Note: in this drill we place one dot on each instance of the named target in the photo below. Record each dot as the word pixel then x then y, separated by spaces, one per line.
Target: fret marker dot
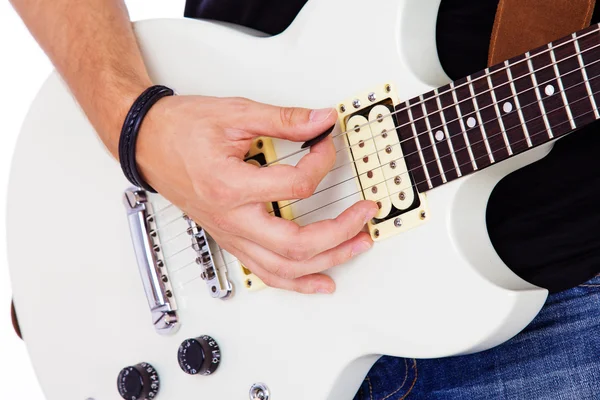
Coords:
pixel 471 122
pixel 507 107
pixel 439 135
pixel 549 90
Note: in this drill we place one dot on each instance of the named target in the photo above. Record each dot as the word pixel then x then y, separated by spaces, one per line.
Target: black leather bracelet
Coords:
pixel 130 130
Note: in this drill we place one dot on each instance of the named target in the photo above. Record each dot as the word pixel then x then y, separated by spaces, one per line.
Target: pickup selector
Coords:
pixel 139 382
pixel 199 356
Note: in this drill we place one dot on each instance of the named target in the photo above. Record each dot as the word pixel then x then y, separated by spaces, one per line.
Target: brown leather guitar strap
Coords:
pixel 523 25
pixel 15 322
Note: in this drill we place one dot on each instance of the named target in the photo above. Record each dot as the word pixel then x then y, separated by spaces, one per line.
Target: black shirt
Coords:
pixel 544 220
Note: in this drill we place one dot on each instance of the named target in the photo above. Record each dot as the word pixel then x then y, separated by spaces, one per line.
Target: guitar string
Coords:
pixel 439 175
pixel 175 270
pixel 447 138
pixel 169 240
pixel 436 159
pixel 454 105
pixel 180 268
pixel 570 120
pixel 433 144
pixel 181 285
pixel 467 99
pixel 487 75
pixel 326 205
pixel 172 221
pixel 160 211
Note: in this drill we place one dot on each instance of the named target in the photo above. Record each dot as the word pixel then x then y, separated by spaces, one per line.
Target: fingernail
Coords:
pixel 320 115
pixel 360 248
pixel 325 290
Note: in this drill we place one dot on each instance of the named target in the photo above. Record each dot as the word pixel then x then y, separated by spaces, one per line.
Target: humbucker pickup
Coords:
pixel 381 171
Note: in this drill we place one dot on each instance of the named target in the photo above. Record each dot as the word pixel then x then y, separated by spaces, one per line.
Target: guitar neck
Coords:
pixel 502 111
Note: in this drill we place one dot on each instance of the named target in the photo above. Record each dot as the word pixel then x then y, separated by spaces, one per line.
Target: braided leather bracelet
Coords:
pixel 130 130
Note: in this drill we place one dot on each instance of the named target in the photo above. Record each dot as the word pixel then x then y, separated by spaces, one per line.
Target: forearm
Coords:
pixel 92 45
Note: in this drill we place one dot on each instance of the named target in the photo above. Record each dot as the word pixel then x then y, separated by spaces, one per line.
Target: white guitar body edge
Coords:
pixel 437 290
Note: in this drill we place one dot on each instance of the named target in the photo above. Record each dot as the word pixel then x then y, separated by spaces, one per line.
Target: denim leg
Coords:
pixel 556 357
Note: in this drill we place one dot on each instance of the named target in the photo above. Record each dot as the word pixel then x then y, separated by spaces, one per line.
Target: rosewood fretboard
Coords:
pixel 502 111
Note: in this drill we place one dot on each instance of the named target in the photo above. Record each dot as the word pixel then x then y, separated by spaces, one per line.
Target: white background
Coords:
pixel 23 68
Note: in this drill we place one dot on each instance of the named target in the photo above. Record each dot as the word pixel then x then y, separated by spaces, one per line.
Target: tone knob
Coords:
pixel 139 382
pixel 199 356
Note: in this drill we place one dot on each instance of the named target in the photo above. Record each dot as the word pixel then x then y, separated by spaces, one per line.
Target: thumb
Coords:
pixel 291 123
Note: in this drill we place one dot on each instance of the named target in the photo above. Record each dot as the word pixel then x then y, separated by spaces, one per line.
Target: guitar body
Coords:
pixel 433 291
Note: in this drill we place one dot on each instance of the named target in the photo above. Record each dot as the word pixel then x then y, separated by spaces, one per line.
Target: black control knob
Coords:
pixel 199 356
pixel 139 382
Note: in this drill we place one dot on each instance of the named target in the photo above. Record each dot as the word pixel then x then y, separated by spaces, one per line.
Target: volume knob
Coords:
pixel 139 382
pixel 199 356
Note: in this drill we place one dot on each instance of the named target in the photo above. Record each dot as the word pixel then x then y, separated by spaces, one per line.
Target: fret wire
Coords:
pixel 462 127
pixel 597 30
pixel 517 103
pixel 420 151
pixel 535 134
pixel 499 114
pixel 480 121
pixel 396 111
pixel 585 76
pixel 544 114
pixel 539 96
pixel 560 85
pixel 420 166
pixel 413 185
pixel 433 142
pixel 539 132
pixel 447 133
pixel 515 97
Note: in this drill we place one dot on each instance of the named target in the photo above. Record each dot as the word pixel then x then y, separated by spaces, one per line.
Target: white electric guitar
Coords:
pixel 119 294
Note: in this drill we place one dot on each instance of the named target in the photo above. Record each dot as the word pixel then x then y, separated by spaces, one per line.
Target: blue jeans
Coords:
pixel 556 357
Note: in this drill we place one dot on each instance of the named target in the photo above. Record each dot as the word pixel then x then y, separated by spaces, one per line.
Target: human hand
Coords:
pixel 191 150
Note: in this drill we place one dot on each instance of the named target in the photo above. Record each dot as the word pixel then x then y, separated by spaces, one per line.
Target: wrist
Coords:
pixel 110 110
pixel 128 140
pixel 153 141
